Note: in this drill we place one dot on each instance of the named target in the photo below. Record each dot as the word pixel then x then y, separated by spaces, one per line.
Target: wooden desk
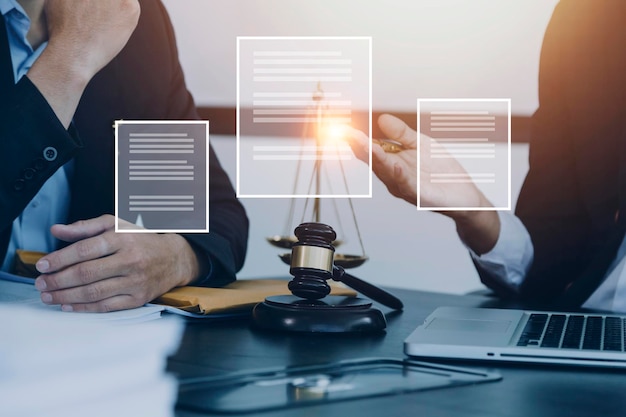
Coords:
pixel 216 348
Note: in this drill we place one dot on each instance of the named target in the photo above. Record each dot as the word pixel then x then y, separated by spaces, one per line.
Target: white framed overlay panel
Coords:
pixel 162 176
pixel 476 133
pixel 310 85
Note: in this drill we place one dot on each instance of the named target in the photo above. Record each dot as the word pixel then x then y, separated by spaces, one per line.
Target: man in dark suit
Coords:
pixel 96 62
pixel 568 229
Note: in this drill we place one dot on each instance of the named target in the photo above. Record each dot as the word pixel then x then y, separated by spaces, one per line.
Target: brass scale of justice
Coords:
pixel 313 262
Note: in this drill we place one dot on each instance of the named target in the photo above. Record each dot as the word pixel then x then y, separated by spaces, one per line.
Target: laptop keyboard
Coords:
pixel 572 331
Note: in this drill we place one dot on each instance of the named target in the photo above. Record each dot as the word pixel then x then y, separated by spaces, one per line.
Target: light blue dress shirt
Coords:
pixel 31 230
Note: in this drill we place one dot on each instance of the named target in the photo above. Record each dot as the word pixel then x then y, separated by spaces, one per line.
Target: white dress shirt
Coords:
pixel 511 258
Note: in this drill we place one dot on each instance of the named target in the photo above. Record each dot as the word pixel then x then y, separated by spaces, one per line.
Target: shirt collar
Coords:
pixel 15 17
pixel 7 5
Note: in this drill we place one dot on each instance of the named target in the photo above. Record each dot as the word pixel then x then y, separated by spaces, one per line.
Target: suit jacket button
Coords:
pixel 50 154
pixel 39 164
pixel 19 185
pixel 29 173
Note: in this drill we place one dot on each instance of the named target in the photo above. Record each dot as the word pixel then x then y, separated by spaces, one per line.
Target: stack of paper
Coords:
pixel 57 365
pixel 20 291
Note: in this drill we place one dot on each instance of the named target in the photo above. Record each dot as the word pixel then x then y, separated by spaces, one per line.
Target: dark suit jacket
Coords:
pixel 571 195
pixel 144 81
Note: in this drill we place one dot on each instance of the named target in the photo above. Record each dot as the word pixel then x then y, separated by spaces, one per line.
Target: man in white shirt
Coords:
pixel 564 245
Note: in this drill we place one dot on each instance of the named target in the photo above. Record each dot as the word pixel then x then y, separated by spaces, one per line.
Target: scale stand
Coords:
pixel 286 240
pixel 310 308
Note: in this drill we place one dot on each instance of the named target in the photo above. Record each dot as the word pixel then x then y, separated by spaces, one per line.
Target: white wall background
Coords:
pixel 421 48
pixel 407 248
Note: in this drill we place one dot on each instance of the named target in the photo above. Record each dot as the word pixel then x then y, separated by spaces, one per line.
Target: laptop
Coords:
pixel 521 336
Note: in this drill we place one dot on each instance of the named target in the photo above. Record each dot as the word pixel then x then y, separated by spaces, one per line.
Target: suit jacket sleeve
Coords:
pixel 569 198
pixel 33 142
pixel 33 145
pixel 225 244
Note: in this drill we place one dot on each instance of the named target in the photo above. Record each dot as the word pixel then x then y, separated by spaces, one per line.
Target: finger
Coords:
pixel 360 144
pixel 397 130
pixel 82 273
pixel 115 303
pixel 83 229
pixel 90 293
pixel 383 163
pixel 77 253
pixel 97 292
pixel 399 184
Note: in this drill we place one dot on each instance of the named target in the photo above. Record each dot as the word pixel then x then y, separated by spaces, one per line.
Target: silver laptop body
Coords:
pixel 521 336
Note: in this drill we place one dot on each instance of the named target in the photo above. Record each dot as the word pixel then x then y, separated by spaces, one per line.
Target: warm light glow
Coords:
pixel 334 133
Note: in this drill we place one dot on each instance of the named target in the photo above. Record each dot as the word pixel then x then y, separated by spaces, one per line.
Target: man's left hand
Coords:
pixel 102 270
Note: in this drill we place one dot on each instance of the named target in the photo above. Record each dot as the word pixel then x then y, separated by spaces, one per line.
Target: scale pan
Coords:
pixel 349 261
pixel 340 259
pixel 285 242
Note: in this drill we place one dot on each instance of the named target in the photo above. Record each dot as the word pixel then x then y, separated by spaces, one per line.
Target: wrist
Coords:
pixel 61 82
pixel 191 262
pixel 479 229
pixel 68 64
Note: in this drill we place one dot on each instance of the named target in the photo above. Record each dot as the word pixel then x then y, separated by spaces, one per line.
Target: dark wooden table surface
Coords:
pixel 217 348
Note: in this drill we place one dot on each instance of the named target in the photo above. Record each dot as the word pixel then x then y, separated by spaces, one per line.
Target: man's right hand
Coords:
pixel 83 36
pixel 90 33
pixel 398 171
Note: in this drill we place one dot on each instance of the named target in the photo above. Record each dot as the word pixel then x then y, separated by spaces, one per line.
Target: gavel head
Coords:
pixel 312 261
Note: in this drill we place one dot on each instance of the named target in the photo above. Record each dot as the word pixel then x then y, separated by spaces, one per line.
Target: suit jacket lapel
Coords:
pixel 6 67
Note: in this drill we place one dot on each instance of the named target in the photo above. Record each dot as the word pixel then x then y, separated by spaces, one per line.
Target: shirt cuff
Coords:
pixel 511 257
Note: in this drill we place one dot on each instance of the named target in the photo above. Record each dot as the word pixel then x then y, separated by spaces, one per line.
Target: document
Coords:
pixel 301 90
pixel 16 289
pixel 162 176
pixel 53 366
pixel 25 295
pixel 21 292
pixel 477 134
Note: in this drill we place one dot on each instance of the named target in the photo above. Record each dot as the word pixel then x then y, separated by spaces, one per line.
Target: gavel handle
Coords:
pixel 369 290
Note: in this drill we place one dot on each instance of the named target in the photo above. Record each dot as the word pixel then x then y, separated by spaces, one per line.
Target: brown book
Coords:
pixel 238 296
pixel 24 263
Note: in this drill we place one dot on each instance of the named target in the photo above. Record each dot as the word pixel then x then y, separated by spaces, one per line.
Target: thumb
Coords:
pixel 360 143
pixel 397 130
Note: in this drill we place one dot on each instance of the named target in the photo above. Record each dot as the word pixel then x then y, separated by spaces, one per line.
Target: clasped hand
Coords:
pixel 102 270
